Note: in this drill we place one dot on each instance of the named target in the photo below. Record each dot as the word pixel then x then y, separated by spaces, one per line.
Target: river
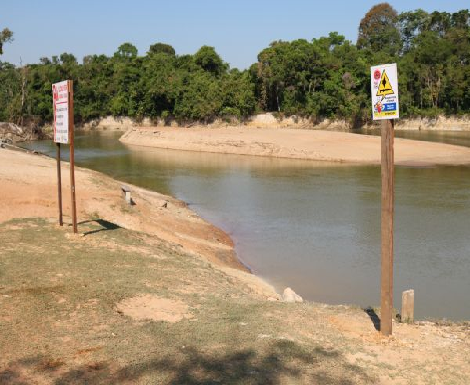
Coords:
pixel 316 226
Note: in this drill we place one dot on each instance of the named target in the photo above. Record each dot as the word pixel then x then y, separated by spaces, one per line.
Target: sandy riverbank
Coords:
pixel 296 144
pixel 29 190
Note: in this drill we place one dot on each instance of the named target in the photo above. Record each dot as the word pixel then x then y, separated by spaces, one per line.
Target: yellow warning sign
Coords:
pixel 385 88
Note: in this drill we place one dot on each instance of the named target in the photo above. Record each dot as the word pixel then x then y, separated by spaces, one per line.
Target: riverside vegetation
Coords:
pixel 327 77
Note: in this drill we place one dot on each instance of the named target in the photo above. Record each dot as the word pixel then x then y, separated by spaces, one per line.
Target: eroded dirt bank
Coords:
pixel 29 190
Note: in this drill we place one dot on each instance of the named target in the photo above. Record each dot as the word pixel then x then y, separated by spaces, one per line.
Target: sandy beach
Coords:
pixel 296 144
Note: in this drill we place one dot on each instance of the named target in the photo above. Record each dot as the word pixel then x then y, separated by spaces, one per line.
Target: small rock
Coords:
pixel 289 295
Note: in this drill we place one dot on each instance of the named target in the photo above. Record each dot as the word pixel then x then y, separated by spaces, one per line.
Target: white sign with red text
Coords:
pixel 60 96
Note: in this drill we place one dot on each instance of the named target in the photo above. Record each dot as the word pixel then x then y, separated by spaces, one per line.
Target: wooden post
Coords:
pixel 59 185
pixel 388 184
pixel 72 157
pixel 408 306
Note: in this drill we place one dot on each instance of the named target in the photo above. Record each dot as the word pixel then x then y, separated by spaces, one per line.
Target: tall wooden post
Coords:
pixel 388 185
pixel 59 185
pixel 72 157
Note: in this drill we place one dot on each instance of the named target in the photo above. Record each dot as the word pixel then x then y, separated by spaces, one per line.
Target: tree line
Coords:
pixel 325 77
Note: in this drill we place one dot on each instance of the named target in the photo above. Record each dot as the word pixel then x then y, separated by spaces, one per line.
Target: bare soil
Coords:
pixel 154 308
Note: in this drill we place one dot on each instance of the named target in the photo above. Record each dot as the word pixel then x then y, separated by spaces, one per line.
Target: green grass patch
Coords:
pixel 59 321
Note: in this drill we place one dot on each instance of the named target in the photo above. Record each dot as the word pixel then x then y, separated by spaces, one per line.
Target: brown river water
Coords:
pixel 316 226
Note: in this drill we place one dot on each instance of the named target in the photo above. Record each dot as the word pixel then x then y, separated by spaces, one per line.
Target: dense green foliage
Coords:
pixel 324 77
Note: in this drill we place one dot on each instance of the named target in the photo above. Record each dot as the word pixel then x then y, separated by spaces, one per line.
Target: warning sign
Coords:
pixel 384 87
pixel 60 100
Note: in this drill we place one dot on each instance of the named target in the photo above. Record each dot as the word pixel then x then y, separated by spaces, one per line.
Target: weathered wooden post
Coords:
pixel 388 184
pixel 384 88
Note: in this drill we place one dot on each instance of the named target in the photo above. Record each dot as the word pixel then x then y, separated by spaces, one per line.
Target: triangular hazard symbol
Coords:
pixel 385 88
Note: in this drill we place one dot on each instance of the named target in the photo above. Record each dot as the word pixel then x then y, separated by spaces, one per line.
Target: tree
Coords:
pixel 68 58
pixel 162 48
pixel 161 82
pixel 200 97
pixel 209 60
pixel 6 36
pixel 325 77
pixel 238 94
pixel 411 25
pixel 126 51
pixel 126 100
pixel 378 30
pixel 93 91
pixel 10 91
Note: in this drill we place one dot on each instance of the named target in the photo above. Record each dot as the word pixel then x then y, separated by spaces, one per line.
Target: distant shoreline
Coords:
pixel 270 120
pixel 267 120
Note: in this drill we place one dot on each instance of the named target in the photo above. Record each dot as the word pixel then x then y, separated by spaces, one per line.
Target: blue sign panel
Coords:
pixel 390 107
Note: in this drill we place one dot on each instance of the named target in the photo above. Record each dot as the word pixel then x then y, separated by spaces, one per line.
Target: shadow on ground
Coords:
pixel 285 361
pixel 105 226
pixel 373 317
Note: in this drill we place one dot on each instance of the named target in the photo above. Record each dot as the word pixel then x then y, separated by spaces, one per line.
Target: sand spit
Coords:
pixel 296 144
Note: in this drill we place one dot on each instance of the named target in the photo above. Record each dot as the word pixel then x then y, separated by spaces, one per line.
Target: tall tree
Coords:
pixel 378 30
pixel 5 36
pixel 411 25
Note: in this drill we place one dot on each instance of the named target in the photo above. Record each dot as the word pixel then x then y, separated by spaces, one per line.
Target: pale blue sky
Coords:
pixel 238 30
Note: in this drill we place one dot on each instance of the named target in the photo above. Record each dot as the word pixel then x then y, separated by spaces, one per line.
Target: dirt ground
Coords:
pixel 297 144
pixel 130 301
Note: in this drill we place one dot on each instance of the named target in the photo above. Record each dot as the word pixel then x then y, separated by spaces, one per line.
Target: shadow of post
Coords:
pixel 373 317
pixel 105 226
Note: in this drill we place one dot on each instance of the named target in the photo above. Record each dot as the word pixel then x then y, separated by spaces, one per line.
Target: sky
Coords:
pixel 238 30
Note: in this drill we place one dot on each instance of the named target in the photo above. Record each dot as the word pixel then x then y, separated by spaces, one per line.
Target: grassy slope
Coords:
pixel 59 324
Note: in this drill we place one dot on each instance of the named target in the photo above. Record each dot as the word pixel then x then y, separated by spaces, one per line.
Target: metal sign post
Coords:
pixel 385 107
pixel 62 94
